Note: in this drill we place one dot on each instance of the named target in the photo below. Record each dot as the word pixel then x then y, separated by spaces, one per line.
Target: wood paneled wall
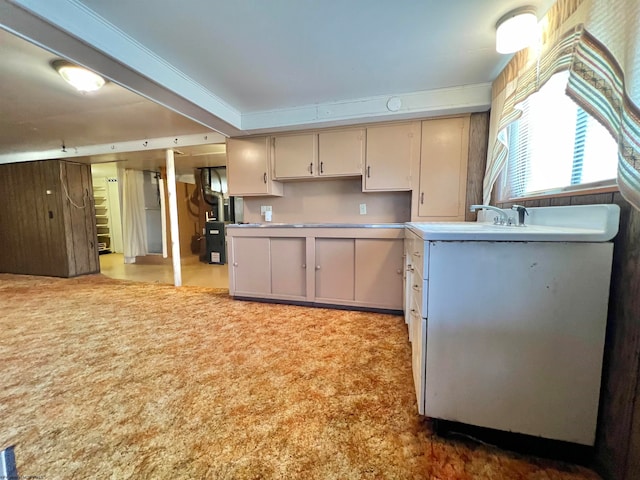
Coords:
pixel 41 232
pixel 79 219
pixel 478 145
pixel 617 453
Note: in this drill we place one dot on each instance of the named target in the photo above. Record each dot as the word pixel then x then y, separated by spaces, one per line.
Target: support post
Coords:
pixel 163 217
pixel 173 218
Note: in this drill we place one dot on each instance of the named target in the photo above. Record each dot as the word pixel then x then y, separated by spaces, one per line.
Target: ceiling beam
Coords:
pixel 72 31
pixel 430 103
pixel 115 148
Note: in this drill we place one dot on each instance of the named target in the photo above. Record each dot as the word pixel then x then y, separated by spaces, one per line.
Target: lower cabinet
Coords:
pixel 378 272
pixel 266 267
pixel 335 272
pixel 251 265
pixel 358 272
pixel 288 267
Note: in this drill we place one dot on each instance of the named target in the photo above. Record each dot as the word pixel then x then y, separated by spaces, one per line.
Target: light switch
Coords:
pixel 363 209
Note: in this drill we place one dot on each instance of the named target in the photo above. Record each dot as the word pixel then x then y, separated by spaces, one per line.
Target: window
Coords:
pixel 555 145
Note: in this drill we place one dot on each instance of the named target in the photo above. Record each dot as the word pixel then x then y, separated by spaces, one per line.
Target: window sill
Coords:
pixel 563 193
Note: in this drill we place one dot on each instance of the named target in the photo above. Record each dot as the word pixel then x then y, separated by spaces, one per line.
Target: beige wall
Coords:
pixel 329 201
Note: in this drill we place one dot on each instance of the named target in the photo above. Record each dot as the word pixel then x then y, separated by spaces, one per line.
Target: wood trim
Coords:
pixel 572 193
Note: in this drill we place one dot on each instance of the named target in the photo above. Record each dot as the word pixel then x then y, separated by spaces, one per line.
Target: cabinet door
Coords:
pixel 250 272
pixel 443 168
pixel 392 150
pixel 288 267
pixel 378 278
pixel 341 152
pixel 248 167
pixel 296 156
pixel 335 270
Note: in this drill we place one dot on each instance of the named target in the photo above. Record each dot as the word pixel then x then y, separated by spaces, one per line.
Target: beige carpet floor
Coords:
pixel 106 378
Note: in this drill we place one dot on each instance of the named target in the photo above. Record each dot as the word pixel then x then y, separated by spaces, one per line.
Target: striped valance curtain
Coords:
pixel 605 81
pixel 528 70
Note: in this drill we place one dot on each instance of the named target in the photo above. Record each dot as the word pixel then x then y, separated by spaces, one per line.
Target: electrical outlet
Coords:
pixel 363 209
pixel 265 208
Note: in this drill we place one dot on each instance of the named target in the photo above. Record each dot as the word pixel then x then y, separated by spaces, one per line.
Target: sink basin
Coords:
pixel 581 223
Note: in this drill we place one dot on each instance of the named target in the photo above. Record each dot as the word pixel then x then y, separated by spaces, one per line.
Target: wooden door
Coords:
pixel 296 156
pixel 392 150
pixel 341 152
pixel 335 270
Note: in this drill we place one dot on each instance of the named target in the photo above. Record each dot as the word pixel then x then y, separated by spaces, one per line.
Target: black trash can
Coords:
pixel 215 243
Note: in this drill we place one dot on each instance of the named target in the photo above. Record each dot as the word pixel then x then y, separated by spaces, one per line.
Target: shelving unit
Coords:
pixel 102 219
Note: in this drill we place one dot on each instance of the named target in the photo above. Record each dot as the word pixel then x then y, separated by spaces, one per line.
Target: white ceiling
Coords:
pixel 238 67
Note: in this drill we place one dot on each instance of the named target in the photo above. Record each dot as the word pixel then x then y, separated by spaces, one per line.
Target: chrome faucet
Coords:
pixel 521 213
pixel 501 219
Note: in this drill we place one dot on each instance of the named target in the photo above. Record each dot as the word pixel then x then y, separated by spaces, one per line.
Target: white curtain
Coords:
pixel 525 74
pixel 605 81
pixel 498 144
pixel 134 221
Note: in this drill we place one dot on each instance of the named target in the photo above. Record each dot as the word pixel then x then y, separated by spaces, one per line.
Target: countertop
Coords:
pixel 316 225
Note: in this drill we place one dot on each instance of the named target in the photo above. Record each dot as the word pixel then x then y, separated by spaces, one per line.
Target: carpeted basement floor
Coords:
pixel 106 378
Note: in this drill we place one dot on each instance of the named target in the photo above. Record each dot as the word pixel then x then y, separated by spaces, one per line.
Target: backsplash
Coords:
pixel 330 201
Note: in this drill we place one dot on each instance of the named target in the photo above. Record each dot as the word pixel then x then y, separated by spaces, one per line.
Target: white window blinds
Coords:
pixel 556 145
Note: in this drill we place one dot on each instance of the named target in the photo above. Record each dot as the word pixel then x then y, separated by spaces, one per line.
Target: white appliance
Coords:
pixel 508 323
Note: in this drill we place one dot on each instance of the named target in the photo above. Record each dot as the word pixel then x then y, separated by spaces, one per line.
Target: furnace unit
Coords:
pixel 215 243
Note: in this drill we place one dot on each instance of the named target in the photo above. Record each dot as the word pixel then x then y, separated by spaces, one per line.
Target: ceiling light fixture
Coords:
pixel 80 78
pixel 516 30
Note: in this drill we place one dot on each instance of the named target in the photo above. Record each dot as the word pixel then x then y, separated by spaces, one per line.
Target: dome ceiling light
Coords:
pixel 80 78
pixel 516 30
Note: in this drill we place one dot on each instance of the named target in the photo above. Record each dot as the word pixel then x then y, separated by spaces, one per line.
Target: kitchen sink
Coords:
pixel 581 223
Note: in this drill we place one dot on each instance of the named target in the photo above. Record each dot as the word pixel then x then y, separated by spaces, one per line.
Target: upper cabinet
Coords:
pixel 334 153
pixel 249 167
pixel 341 152
pixel 295 156
pixel 441 195
pixel 392 151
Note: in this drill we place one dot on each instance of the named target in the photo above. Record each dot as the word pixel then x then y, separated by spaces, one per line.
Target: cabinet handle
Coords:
pixel 235 264
pixel 264 177
pixel 369 171
pixel 416 288
pixel 317 267
pixel 304 265
pixel 422 198
pixel 321 167
pixel 399 271
pixel 311 168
